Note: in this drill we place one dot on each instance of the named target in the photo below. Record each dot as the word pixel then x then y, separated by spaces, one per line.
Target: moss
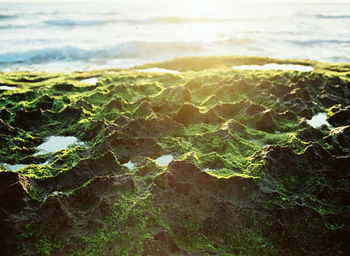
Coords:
pixel 220 132
pixel 61 162
pixel 116 237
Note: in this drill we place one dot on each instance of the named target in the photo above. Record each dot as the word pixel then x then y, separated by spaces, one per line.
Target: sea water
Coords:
pixel 72 35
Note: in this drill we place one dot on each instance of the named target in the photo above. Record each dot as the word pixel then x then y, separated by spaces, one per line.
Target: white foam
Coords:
pixel 275 66
pixel 164 160
pixel 318 120
pixel 157 70
pixel 56 143
pixel 4 87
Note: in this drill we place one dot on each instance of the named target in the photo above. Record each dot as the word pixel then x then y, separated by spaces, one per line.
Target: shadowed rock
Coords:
pixel 340 118
pixel 85 169
pixel 190 114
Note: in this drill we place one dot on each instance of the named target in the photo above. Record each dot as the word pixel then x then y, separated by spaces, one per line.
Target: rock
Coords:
pixel 310 134
pixel 64 87
pixel 154 127
pixel 229 110
pixel 254 109
pixel 12 192
pixel 340 118
pixel 186 179
pixel 342 136
pixel 288 114
pixel 162 244
pixel 280 90
pixel 144 109
pixel 234 126
pixel 70 113
pixel 193 84
pixel 188 114
pixel 328 100
pixel 175 94
pixel 265 122
pixel 6 129
pixel 27 119
pixel 117 103
pixel 45 102
pixel 5 114
pixel 125 147
pixel 85 169
pixel 83 209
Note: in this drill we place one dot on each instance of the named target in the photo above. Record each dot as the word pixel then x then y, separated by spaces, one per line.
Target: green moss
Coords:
pixel 62 162
pixel 131 219
pixel 59 104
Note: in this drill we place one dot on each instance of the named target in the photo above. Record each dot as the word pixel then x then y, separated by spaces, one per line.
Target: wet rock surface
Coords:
pixel 245 174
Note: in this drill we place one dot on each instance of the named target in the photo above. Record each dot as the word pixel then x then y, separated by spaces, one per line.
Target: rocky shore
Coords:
pixel 252 169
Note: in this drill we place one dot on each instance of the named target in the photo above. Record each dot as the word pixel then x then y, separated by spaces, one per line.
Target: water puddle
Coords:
pixel 51 144
pixel 92 80
pixel 275 66
pixel 164 160
pixel 56 193
pixel 56 143
pixel 5 87
pixel 13 167
pixel 208 170
pixel 157 70
pixel 318 120
pixel 130 165
pixel 45 163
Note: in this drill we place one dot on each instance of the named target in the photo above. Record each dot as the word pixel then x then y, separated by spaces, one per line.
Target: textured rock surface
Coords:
pixel 249 176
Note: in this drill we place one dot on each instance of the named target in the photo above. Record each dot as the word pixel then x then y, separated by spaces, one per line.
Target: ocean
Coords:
pixel 71 36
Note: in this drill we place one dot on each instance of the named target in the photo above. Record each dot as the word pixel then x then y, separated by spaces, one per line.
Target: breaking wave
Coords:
pixel 329 16
pixel 68 22
pixel 132 49
pixel 319 42
pixel 7 16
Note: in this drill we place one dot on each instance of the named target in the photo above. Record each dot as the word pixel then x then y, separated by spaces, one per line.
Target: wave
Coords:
pixel 69 23
pixel 69 53
pixel 10 26
pixel 178 20
pixel 7 16
pixel 86 23
pixel 163 20
pixel 131 49
pixel 329 16
pixel 318 42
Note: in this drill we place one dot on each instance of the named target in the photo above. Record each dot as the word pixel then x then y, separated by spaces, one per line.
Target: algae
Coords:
pixel 245 174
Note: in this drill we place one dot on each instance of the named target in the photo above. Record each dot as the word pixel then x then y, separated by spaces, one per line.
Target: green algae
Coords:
pixel 231 117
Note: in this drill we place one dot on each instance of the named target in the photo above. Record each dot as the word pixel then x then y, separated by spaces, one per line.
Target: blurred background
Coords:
pixel 83 35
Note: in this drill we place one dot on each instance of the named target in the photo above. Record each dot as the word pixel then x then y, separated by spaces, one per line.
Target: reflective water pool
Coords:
pixel 5 87
pixel 92 80
pixel 318 120
pixel 130 165
pixel 56 143
pixel 164 160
